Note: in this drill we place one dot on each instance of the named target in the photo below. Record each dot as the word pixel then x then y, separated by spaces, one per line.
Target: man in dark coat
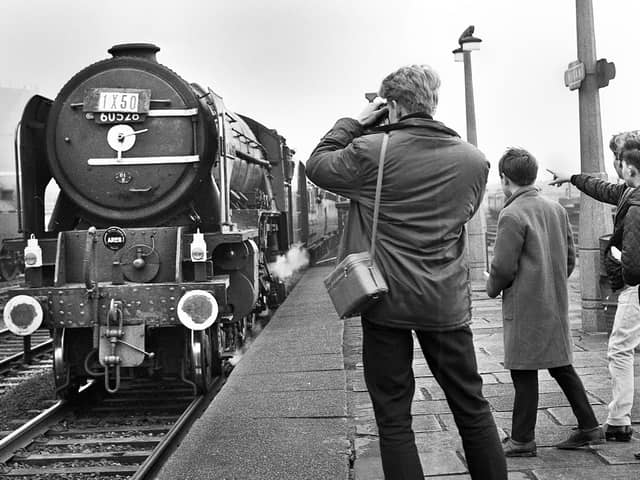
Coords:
pixel 532 258
pixel 433 183
pixel 625 331
pixel 630 255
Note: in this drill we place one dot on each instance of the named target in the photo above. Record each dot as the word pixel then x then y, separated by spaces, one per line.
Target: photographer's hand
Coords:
pixel 373 113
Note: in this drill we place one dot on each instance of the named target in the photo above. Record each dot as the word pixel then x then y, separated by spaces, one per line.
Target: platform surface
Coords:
pixel 296 406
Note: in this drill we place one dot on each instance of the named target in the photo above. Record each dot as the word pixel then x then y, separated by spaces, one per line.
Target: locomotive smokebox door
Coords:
pixel 128 142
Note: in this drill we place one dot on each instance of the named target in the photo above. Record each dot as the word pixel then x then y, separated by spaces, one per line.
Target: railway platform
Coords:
pixel 296 406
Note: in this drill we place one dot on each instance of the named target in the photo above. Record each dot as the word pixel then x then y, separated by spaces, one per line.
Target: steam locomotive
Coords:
pixel 155 261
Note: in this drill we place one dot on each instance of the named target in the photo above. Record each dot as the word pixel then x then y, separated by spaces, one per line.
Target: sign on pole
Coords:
pixel 605 71
pixel 574 75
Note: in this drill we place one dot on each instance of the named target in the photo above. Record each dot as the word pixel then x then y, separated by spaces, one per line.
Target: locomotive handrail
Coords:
pixel 89 260
pixel 16 148
pixel 173 159
pixel 178 112
pixel 251 159
pixel 220 113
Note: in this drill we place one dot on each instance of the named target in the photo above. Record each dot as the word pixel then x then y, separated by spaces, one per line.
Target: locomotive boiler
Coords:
pixel 155 259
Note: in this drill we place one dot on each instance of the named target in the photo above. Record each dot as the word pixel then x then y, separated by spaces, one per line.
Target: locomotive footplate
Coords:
pixel 150 304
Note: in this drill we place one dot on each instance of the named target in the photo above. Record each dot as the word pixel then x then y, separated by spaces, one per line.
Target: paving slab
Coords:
pixel 564 415
pixel 290 404
pixel 325 342
pixel 263 449
pixel 290 381
pixel 549 457
pixel 612 472
pixel 287 363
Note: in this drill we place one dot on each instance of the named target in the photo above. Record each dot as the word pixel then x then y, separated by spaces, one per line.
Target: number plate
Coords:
pixel 117 100
pixel 117 117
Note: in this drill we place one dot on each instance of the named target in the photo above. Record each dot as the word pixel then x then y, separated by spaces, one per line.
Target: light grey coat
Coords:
pixel 533 257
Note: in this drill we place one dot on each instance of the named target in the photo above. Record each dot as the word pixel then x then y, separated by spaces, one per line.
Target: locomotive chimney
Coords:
pixel 144 50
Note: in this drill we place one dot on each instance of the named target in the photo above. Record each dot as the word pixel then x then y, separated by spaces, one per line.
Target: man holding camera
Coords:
pixel 433 183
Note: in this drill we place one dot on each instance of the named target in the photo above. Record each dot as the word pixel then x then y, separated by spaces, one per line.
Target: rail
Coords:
pixel 28 350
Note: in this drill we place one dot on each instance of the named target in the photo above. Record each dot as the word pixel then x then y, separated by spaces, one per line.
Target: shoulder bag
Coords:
pixel 356 283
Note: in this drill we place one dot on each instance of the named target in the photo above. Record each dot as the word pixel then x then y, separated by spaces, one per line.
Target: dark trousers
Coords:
pixel 387 355
pixel 525 404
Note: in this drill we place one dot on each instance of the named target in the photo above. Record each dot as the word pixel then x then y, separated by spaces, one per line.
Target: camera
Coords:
pixel 380 113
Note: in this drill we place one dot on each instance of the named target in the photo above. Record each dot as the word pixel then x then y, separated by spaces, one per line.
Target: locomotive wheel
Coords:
pixel 66 387
pixel 9 267
pixel 204 360
pixel 250 322
pixel 245 330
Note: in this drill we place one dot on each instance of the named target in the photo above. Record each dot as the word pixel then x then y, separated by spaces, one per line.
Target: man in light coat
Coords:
pixel 533 257
pixel 433 183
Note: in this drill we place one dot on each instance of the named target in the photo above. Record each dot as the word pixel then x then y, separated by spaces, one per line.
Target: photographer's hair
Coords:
pixel 519 166
pixel 630 152
pixel 414 87
pixel 617 141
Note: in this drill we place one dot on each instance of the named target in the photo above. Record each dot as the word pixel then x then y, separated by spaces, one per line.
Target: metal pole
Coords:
pixel 476 227
pixel 27 355
pixel 472 136
pixel 595 217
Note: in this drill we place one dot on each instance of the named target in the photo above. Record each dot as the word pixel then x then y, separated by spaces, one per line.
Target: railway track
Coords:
pixel 104 436
pixel 12 346
pixel 6 285
pixel 13 368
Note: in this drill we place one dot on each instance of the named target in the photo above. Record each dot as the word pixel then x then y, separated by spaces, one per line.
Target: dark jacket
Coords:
pixel 631 240
pixel 532 258
pixel 617 194
pixel 433 183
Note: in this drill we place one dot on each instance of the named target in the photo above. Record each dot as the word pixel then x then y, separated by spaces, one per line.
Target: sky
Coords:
pixel 298 65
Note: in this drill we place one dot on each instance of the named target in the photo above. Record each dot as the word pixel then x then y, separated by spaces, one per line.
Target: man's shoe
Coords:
pixel 513 448
pixel 618 433
pixel 582 438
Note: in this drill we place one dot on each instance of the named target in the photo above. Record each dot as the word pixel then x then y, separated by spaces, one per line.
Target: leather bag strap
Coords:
pixel 376 206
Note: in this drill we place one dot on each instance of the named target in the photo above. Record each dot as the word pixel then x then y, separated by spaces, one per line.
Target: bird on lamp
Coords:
pixel 467 35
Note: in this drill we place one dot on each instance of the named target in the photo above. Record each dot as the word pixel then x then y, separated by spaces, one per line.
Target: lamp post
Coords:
pixel 476 227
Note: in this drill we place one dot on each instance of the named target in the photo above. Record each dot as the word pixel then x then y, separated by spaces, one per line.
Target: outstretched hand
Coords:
pixel 559 178
pixel 373 113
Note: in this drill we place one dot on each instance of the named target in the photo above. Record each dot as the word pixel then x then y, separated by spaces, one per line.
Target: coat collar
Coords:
pixel 417 115
pixel 419 121
pixel 529 191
